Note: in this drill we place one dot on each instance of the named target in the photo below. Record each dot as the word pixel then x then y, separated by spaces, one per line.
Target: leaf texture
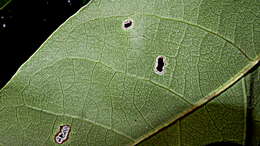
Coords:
pixel 99 78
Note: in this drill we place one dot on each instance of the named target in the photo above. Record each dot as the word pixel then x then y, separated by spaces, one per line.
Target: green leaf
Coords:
pixel 99 78
pixel 4 3
pixel 253 79
pixel 222 119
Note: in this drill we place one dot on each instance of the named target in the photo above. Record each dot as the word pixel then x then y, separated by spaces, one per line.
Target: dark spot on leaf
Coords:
pixel 127 24
pixel 159 65
pixel 61 135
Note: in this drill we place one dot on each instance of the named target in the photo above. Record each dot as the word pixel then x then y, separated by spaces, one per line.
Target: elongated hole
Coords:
pixel 160 65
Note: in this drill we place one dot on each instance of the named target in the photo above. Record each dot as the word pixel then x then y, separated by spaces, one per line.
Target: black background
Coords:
pixel 25 25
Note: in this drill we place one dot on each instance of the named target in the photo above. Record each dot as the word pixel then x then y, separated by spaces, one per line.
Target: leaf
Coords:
pixel 4 3
pixel 222 119
pixel 254 80
pixel 98 78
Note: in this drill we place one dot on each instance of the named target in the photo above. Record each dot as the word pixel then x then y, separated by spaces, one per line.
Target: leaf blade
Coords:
pixel 93 69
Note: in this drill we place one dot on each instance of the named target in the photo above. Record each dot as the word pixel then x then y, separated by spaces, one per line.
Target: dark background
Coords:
pixel 25 25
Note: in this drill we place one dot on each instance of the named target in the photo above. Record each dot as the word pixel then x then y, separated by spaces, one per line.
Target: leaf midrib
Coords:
pixel 204 100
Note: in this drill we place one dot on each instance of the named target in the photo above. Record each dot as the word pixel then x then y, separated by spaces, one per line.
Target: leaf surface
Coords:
pixel 98 77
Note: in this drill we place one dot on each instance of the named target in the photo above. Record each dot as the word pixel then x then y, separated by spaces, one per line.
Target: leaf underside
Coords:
pixel 99 78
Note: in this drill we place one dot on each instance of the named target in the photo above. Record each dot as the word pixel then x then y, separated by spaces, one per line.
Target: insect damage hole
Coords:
pixel 128 24
pixel 63 134
pixel 160 64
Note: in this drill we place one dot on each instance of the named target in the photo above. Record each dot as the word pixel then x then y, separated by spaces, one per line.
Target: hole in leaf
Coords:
pixel 63 134
pixel 127 24
pixel 160 65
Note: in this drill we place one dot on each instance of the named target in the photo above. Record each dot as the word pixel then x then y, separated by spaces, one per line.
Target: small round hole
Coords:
pixel 127 24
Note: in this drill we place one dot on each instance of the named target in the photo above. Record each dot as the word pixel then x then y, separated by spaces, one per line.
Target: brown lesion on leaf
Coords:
pixel 160 63
pixel 63 135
